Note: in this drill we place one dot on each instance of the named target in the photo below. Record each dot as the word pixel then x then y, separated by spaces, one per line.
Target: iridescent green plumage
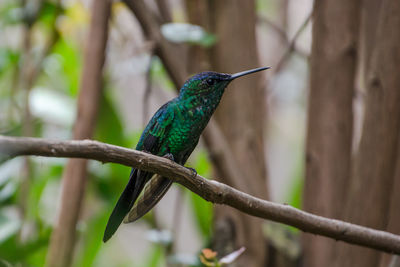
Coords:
pixel 173 131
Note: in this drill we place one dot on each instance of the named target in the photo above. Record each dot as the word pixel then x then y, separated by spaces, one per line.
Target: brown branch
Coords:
pixel 292 45
pixel 209 190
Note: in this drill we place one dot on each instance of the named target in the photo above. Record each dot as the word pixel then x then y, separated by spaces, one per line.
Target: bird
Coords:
pixel 173 132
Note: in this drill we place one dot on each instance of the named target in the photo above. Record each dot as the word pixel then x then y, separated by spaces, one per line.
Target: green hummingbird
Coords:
pixel 173 132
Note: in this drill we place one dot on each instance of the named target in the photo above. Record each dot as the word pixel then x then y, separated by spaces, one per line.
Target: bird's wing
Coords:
pixel 153 192
pixel 150 141
pixel 157 129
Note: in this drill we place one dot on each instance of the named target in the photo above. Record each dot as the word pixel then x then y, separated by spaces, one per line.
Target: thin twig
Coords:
pixel 208 189
pixel 292 44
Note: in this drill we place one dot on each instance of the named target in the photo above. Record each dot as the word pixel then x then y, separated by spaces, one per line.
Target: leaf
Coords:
pixel 232 256
pixel 209 254
pixel 52 107
pixel 189 33
pixel 8 227
pixel 8 59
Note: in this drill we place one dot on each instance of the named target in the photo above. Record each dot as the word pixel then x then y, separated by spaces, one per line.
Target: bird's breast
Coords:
pixel 187 128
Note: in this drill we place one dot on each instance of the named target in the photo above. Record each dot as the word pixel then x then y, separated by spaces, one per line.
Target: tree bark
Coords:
pixel 330 117
pixel 73 180
pixel 374 169
pixel 394 214
pixel 241 117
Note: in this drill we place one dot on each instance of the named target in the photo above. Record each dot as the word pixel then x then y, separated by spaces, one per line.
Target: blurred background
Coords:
pixel 319 131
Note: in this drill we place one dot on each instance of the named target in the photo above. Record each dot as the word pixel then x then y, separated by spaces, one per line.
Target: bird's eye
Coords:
pixel 210 82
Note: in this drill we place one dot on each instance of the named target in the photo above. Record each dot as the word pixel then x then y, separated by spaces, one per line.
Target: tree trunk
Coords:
pixel 63 237
pixel 330 117
pixel 374 169
pixel 241 116
pixel 394 214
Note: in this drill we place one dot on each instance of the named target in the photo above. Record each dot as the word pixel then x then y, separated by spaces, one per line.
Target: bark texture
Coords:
pixel 393 225
pixel 73 180
pixel 330 117
pixel 375 163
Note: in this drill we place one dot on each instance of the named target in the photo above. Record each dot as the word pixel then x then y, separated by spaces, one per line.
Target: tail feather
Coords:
pixel 125 202
pixel 154 190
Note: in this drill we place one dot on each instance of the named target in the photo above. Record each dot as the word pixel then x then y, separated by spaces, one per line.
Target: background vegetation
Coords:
pixel 95 69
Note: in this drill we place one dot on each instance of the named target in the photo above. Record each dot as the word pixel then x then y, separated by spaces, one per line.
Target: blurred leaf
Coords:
pixel 8 59
pixel 65 63
pixel 11 12
pixel 8 227
pixel 189 33
pixel 53 107
pixel 231 257
pixel 155 259
pixel 203 210
pixel 8 183
pixel 162 237
pixel 13 251
pixel 48 13
pixel 51 171
pixel 92 240
pixel 7 191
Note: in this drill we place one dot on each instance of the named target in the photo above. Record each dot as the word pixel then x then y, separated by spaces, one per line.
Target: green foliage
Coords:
pixel 48 13
pixel 188 33
pixel 296 192
pixel 92 239
pixel 64 66
pixel 10 12
pixel 8 60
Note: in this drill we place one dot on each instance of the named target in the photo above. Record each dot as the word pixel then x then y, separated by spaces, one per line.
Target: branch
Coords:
pixel 212 191
pixel 63 237
pixel 292 45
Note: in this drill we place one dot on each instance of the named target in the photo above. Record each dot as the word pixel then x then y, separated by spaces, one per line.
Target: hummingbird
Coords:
pixel 173 132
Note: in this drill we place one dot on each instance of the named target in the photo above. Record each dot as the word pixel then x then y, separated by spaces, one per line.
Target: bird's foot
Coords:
pixel 169 156
pixel 194 172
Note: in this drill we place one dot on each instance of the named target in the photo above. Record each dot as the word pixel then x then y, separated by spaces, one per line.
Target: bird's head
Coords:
pixel 209 82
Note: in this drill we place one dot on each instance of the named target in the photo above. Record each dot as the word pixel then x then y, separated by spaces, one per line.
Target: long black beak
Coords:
pixel 240 74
